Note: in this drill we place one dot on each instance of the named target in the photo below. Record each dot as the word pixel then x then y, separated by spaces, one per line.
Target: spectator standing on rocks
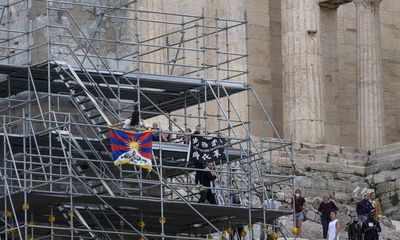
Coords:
pixel 325 208
pixel 299 207
pixel 371 228
pixel 334 227
pixel 354 231
pixel 364 207
pixel 376 205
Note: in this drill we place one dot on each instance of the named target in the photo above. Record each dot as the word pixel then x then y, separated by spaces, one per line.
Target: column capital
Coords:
pixel 368 2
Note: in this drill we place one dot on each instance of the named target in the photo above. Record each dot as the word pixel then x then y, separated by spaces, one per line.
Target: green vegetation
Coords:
pixel 395 200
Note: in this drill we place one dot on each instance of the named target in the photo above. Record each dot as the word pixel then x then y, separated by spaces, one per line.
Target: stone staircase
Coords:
pixel 336 159
pixel 325 169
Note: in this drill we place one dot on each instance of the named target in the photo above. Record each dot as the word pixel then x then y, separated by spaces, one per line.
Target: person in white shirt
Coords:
pixel 334 227
pixel 132 123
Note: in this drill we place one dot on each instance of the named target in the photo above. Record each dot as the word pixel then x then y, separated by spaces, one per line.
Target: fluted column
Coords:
pixel 302 71
pixel 370 108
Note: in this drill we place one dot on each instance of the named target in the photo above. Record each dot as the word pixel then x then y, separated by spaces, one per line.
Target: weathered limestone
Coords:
pixel 149 32
pixel 383 171
pixel 370 110
pixel 332 4
pixel 302 70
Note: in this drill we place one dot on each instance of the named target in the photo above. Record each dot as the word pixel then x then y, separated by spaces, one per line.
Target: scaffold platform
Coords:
pixel 180 217
pixel 62 89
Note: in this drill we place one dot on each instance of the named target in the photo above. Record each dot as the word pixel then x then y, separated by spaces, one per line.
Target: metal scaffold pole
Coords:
pixel 75 71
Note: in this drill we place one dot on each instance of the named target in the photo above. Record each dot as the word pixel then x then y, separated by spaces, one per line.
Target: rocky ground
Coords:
pixel 312 228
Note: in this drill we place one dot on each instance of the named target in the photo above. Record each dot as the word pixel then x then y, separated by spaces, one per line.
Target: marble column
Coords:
pixel 370 108
pixel 304 119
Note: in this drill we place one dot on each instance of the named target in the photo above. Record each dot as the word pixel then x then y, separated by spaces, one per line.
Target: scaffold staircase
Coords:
pixel 94 107
pixel 67 161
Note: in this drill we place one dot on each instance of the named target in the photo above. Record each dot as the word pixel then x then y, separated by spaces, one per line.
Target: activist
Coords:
pixel 207 180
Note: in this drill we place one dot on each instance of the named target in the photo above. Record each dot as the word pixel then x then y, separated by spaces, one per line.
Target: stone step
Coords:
pixel 329 148
pixel 322 153
pixel 384 155
pixel 386 150
pixel 329 167
pixel 384 164
pixel 330 159
pixel 385 176
pixel 315 183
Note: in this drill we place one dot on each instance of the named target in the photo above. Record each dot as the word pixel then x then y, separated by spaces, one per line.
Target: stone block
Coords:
pixel 313 216
pixel 315 202
pixel 260 6
pixel 257 18
pixel 343 218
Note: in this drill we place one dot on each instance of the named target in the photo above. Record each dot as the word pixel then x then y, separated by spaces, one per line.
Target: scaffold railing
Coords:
pixel 72 174
pixel 73 69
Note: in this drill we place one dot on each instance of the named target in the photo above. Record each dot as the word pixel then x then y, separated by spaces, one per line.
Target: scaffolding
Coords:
pixel 71 69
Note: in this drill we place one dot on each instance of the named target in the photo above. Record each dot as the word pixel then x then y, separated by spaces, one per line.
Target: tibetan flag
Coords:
pixel 132 148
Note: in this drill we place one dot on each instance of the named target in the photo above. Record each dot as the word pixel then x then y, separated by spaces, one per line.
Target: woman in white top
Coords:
pixel 333 228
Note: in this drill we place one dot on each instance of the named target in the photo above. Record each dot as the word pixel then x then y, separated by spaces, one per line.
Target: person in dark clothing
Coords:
pixel 364 207
pixel 197 164
pixel 197 176
pixel 157 134
pixel 325 208
pixel 354 230
pixel 235 199
pixel 299 207
pixel 207 180
pixel 197 130
pixel 371 228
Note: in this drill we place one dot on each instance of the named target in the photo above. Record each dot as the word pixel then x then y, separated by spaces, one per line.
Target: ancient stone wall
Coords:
pixel 343 173
pixel 383 173
pixel 338 46
pixel 339 53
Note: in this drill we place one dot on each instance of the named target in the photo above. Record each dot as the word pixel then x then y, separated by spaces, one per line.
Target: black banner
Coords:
pixel 205 150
